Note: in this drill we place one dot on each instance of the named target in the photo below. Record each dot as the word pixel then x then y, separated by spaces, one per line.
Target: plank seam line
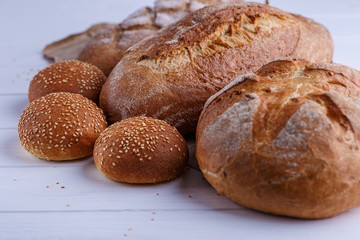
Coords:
pixel 123 210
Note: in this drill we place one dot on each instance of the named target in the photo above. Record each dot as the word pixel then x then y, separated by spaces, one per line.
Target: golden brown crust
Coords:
pixel 171 74
pixel 320 50
pixel 285 140
pixel 69 48
pixel 61 126
pixel 140 150
pixel 107 49
pixel 68 76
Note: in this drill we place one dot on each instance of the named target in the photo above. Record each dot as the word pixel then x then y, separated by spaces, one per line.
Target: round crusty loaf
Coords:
pixel 68 76
pixel 140 150
pixel 171 74
pixel 285 140
pixel 61 126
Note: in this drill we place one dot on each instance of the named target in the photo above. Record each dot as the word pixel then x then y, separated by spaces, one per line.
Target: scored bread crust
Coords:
pixel 171 74
pixel 106 49
pixel 285 140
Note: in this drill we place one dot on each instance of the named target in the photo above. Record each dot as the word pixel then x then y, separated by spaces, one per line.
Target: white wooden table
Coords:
pixel 72 200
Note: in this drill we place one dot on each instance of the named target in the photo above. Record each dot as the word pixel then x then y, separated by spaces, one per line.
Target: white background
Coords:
pixel 89 206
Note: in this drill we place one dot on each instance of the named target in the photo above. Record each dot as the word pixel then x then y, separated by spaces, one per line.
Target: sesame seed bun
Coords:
pixel 61 126
pixel 68 76
pixel 140 150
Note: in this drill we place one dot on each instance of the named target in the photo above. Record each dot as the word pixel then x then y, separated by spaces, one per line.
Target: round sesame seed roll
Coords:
pixel 140 150
pixel 68 76
pixel 61 126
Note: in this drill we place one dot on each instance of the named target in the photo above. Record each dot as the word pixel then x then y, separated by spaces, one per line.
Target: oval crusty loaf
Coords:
pixel 68 76
pixel 285 140
pixel 171 74
pixel 106 49
pixel 61 126
pixel 140 150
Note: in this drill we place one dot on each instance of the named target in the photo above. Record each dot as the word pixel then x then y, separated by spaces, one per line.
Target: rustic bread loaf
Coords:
pixel 106 49
pixel 69 48
pixel 61 126
pixel 140 150
pixel 68 76
pixel 171 74
pixel 285 140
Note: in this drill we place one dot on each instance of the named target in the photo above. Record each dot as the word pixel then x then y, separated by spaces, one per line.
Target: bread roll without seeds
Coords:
pixel 285 140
